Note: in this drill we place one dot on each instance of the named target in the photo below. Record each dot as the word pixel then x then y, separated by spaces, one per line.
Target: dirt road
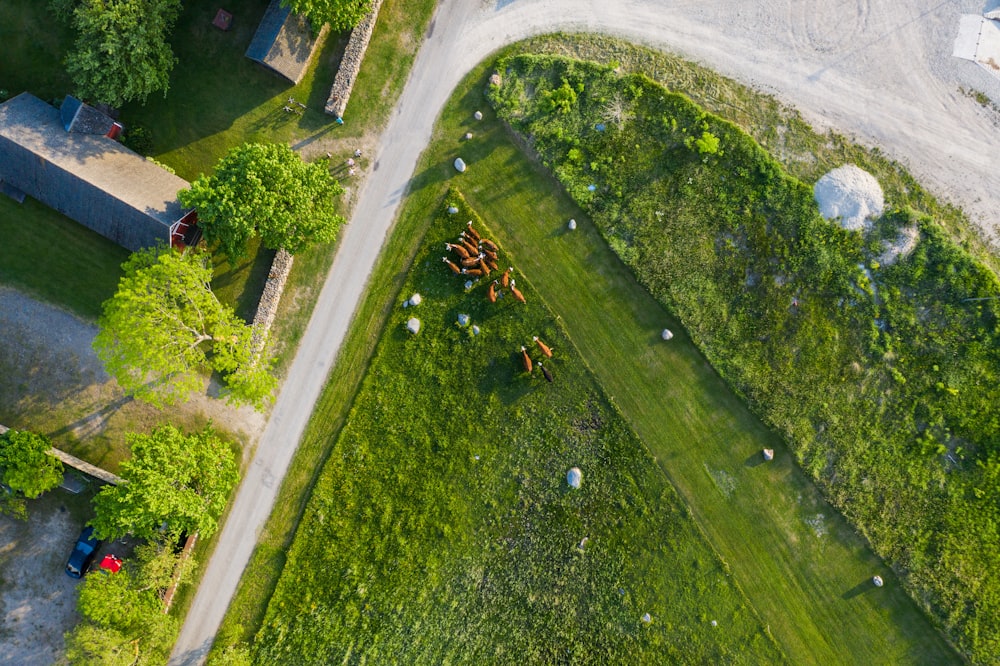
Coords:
pixel 878 70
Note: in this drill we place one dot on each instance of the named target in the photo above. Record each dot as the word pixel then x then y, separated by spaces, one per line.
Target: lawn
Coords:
pixel 448 532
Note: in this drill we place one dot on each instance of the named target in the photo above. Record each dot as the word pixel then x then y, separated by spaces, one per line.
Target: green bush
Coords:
pixel 884 384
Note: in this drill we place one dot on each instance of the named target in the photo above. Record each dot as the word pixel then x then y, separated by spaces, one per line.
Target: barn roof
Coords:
pixel 283 42
pixel 83 118
pixel 31 129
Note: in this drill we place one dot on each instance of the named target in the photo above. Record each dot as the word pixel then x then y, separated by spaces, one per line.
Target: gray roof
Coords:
pixel 83 118
pixel 283 42
pixel 93 179
pixel 98 160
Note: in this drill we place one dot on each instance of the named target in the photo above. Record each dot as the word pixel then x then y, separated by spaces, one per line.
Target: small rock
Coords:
pixel 574 477
pixel 495 79
pixel 460 165
pixel 415 299
pixel 667 334
pixel 468 136
pixel 463 320
pixel 714 623
pixel 591 187
pixel 413 325
pixel 768 454
pixel 647 618
pixel 478 115
pixel 475 330
pixel 468 284
pixel 452 210
pixel 878 581
pixel 572 225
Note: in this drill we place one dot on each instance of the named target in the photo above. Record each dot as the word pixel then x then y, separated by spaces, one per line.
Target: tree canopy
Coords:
pixel 26 466
pixel 183 481
pixel 121 52
pixel 164 326
pixel 342 15
pixel 266 189
pixel 124 622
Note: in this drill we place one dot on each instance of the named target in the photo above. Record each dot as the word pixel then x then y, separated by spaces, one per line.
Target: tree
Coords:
pixel 124 622
pixel 121 52
pixel 182 481
pixel 342 15
pixel 266 188
pixel 26 467
pixel 164 326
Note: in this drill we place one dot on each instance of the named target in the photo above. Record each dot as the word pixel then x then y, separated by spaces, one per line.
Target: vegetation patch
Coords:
pixel 881 378
pixel 442 526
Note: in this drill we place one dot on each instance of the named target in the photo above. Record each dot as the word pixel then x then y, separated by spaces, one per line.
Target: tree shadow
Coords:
pixel 754 459
pixel 91 422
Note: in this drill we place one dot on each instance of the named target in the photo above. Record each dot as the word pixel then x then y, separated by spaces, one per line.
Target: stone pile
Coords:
pixel 267 308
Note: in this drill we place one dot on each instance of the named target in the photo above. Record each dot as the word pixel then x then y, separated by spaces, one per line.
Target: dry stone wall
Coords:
pixel 267 308
pixel 350 65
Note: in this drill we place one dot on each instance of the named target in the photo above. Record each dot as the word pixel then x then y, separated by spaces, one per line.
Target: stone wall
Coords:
pixel 267 308
pixel 350 65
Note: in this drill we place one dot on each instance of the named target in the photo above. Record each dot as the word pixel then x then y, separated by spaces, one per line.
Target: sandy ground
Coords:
pixel 878 70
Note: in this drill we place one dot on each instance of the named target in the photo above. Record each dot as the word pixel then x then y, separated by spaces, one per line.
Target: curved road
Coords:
pixel 871 68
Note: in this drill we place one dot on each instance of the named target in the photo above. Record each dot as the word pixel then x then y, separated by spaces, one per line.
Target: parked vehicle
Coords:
pixel 83 553
pixel 110 564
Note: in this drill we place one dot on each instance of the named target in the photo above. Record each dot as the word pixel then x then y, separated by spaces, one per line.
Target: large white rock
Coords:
pixel 572 225
pixel 413 325
pixel 574 477
pixel 667 334
pixel 415 299
pixel 850 194
pixel 459 165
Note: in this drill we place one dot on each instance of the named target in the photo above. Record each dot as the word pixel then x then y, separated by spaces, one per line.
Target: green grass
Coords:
pixel 53 258
pixel 813 591
pixel 446 532
pixel 34 43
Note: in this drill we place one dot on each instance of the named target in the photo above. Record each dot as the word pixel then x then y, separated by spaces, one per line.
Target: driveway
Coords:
pixel 877 70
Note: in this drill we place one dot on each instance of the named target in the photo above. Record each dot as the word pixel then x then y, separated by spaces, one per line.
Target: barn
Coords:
pixel 284 42
pixel 66 159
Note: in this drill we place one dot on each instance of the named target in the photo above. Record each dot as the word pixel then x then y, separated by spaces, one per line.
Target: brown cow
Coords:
pixel 505 280
pixel 474 272
pixel 470 231
pixel 453 267
pixel 491 292
pixel 544 347
pixel 459 250
pixel 490 245
pixel 517 292
pixel 526 359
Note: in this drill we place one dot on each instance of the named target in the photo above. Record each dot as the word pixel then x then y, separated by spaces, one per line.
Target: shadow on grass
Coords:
pixel 864 586
pixel 91 422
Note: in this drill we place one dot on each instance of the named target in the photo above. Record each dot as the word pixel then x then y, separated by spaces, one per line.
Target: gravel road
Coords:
pixel 878 70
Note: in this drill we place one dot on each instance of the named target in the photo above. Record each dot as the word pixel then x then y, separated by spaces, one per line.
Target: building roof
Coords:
pixel 83 118
pixel 37 127
pixel 283 42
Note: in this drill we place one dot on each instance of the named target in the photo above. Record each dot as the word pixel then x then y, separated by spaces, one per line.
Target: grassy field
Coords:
pixel 804 569
pixel 448 532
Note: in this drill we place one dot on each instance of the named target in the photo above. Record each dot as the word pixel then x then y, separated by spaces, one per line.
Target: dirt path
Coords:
pixel 876 69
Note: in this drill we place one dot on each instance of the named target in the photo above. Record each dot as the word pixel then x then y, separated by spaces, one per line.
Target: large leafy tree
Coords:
pixel 164 326
pixel 121 52
pixel 266 189
pixel 123 616
pixel 26 466
pixel 181 481
pixel 340 14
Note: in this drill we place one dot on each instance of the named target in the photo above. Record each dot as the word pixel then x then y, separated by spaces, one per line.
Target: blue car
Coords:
pixel 83 554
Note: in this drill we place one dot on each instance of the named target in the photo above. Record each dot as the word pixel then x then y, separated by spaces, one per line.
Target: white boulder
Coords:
pixel 460 165
pixel 464 319
pixel 572 225
pixel 667 334
pixel 413 325
pixel 574 477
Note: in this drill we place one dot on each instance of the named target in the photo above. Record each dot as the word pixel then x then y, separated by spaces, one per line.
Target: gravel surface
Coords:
pixel 878 70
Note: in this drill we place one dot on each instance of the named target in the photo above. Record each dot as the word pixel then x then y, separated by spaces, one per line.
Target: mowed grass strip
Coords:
pixel 802 566
pixel 442 527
